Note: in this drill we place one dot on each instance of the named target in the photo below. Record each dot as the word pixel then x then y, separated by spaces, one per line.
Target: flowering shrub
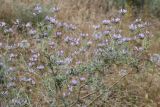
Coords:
pixel 54 63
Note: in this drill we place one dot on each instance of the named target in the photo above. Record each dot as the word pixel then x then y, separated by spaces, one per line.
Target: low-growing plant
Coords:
pixel 49 62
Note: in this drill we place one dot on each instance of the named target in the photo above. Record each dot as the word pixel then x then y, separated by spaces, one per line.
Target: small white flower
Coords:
pixel 89 43
pixel 83 35
pixel 51 44
pixel 29 25
pixel 138 20
pixel 116 20
pixel 123 11
pixel 55 9
pixel 2 24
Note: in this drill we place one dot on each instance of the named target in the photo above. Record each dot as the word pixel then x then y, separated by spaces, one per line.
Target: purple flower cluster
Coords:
pixel 72 41
pixel 52 20
pixel 37 10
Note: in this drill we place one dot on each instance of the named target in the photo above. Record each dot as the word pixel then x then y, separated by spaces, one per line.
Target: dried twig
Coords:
pixel 78 97
pixel 89 94
pixel 107 89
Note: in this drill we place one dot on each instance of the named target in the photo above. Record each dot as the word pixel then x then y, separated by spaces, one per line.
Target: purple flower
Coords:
pixel 82 78
pixel 125 39
pixel 37 9
pixel 133 27
pixel 74 82
pixel 35 55
pixel 106 32
pixel 72 27
pixel 68 60
pixel 70 88
pixel 103 43
pixel 26 79
pixel 78 63
pixel 117 36
pixel 98 35
pixel 58 34
pixel 32 32
pixel 30 64
pixel 51 44
pixel 51 19
pixel 106 22
pixel 60 62
pixel 72 41
pixel 141 35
